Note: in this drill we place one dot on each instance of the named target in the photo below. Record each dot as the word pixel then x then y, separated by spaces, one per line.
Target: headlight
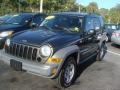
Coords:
pixel 46 50
pixel 5 34
pixel 8 42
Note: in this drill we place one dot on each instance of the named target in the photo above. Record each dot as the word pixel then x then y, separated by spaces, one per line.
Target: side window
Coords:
pixel 97 24
pixel 89 24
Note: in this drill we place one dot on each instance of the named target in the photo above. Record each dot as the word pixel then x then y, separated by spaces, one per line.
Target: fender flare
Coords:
pixel 64 53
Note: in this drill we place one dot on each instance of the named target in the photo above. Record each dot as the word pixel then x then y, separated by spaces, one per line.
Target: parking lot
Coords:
pixel 97 76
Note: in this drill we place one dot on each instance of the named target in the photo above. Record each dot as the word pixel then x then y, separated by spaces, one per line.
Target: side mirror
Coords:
pixel 97 28
pixel 34 25
pixel 91 32
pixel 27 22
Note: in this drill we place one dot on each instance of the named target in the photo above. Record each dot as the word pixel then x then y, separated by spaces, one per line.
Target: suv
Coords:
pixel 109 29
pixel 17 23
pixel 62 42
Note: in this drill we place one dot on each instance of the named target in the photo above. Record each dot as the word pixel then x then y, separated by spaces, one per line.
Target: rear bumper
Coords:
pixel 31 67
pixel 115 40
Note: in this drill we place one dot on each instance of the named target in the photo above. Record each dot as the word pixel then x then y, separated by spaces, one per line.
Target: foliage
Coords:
pixel 49 6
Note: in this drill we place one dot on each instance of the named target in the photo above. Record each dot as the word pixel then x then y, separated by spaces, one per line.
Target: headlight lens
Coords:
pixel 8 42
pixel 5 34
pixel 46 50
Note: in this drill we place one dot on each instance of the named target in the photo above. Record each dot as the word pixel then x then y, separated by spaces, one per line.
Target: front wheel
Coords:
pixel 67 73
pixel 102 51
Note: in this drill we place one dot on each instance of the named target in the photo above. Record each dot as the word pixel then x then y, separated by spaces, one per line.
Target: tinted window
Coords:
pixel 6 17
pixel 18 19
pixel 97 23
pixel 63 22
pixel 38 19
pixel 111 26
pixel 89 24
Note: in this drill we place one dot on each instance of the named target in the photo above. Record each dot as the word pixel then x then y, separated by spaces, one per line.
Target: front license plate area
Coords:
pixel 16 65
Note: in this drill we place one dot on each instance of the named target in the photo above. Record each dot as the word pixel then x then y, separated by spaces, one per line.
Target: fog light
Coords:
pixel 54 60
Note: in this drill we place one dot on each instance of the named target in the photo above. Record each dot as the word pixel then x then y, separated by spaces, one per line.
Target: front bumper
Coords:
pixel 35 68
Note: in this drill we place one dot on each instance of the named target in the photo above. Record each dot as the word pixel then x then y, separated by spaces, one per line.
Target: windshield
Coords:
pixel 62 22
pixel 16 19
pixel 113 27
pixel 6 17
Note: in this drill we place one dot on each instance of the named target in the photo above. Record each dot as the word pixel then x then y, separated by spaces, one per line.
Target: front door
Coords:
pixel 89 44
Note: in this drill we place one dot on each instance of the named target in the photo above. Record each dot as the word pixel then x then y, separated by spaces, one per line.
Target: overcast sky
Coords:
pixel 101 3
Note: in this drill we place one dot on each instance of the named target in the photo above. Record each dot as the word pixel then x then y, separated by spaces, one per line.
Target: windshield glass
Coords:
pixel 113 27
pixel 16 19
pixel 6 17
pixel 62 22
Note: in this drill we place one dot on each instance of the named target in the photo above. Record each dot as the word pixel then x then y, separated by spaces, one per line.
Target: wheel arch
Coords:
pixel 67 52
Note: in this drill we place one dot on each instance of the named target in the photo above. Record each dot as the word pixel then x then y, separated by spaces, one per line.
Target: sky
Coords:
pixel 101 3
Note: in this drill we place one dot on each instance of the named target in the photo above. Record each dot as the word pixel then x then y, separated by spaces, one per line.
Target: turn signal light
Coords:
pixel 54 60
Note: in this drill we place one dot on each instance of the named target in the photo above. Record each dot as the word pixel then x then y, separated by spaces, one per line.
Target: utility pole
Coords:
pixel 41 6
pixel 79 9
pixel 19 6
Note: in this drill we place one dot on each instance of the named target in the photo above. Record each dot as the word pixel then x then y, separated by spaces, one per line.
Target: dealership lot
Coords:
pixel 103 75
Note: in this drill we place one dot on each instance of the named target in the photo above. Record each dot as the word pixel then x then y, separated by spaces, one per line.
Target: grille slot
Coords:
pixel 22 51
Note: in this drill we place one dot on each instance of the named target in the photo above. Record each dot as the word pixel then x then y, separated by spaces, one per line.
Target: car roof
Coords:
pixel 110 24
pixel 77 14
pixel 26 14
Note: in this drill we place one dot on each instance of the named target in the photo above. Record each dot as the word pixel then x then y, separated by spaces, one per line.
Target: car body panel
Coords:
pixel 25 24
pixel 116 39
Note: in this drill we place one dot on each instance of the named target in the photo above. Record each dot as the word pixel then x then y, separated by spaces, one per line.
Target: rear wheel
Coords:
pixel 67 73
pixel 102 51
pixel 108 38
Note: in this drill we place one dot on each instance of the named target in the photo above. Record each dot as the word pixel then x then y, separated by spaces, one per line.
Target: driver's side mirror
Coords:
pixel 34 25
pixel 91 32
pixel 28 22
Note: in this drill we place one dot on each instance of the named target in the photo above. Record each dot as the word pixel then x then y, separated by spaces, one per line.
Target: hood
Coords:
pixel 5 27
pixel 40 37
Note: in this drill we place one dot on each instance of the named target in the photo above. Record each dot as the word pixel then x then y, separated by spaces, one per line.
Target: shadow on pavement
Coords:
pixel 115 45
pixel 83 67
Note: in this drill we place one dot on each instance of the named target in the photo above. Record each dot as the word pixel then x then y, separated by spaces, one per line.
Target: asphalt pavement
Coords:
pixel 104 75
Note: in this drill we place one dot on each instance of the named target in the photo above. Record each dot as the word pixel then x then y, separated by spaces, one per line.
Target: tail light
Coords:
pixel 116 34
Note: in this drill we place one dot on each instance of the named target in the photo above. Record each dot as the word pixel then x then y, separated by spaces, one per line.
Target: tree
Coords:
pixel 92 7
pixel 115 14
pixel 30 2
pixel 105 13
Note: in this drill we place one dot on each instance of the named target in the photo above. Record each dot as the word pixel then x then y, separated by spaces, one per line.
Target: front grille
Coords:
pixel 23 51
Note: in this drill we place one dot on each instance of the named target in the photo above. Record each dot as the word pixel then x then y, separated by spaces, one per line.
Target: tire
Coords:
pixel 108 39
pixel 102 51
pixel 64 79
